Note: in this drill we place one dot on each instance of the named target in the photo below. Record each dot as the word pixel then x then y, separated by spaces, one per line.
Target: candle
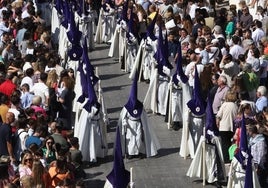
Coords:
pixel 131 174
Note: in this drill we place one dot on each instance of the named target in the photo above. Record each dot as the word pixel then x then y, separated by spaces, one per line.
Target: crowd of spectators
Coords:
pixel 38 148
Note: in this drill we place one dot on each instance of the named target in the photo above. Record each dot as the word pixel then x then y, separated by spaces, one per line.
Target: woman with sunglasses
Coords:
pixel 49 151
pixel 25 168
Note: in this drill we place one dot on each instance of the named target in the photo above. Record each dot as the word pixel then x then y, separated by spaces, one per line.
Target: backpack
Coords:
pixel 15 140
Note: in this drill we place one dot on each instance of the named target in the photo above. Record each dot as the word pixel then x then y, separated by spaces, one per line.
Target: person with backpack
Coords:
pixel 6 137
pixel 20 136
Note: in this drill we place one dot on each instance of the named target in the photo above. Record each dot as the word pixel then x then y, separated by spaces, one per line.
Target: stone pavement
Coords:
pixel 167 169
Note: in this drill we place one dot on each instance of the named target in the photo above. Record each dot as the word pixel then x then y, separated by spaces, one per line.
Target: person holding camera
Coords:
pixel 229 68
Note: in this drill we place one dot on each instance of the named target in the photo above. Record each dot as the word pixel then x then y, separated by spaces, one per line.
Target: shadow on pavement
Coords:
pixel 102 64
pixel 95 60
pixel 94 183
pixel 110 145
pixel 167 151
pixel 109 76
pixel 90 176
pixel 100 161
pixel 113 110
pixel 102 47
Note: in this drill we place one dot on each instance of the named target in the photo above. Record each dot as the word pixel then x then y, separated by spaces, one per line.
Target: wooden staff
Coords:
pixel 99 85
pixel 140 66
pixel 204 157
pixel 186 133
pixel 170 105
pixel 155 104
pixel 230 174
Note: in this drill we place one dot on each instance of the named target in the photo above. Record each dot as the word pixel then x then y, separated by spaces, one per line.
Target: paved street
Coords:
pixel 167 169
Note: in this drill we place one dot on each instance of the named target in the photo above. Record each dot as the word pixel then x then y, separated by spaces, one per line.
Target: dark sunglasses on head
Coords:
pixel 30 159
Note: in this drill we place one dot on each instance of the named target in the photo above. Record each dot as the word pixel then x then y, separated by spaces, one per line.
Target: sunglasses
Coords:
pixel 29 160
pixel 50 142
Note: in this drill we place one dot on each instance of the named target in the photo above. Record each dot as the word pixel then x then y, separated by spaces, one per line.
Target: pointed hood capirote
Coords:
pixel 134 106
pixel 119 177
pixel 179 71
pixel 88 79
pixel 197 104
pixel 211 126
pixel 161 54
pixel 150 28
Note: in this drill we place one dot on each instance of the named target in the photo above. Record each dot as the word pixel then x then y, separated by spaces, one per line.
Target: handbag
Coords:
pixel 232 151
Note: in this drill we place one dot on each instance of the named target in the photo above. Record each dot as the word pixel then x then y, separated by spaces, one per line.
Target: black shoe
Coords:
pixel 130 156
pixel 176 126
pixel 142 156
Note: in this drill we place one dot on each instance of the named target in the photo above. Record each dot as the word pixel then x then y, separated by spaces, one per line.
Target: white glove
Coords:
pixel 123 24
pixel 132 38
pixel 211 133
pixel 124 122
pixel 93 111
pixel 166 71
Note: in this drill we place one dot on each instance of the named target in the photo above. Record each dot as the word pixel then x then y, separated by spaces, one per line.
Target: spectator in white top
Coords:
pixel 203 52
pixel 258 33
pixel 5 26
pixel 41 89
pixel 229 68
pixel 262 98
pixel 213 50
pixel 192 6
pixel 217 32
pixel 254 60
pixel 236 49
pixel 164 7
pixel 27 62
pixel 15 105
pixel 190 68
pixel 258 148
pixel 28 78
pixel 5 39
pixel 247 39
pixel 22 135
pixel 29 12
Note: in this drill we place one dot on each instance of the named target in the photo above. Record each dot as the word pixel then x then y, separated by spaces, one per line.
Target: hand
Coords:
pixel 12 160
pixel 47 146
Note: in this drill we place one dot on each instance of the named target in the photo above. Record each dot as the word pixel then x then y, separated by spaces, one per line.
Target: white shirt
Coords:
pixel 40 89
pixel 15 112
pixel 26 66
pixel 3 28
pixel 236 50
pixel 27 80
pixel 25 14
pixel 257 35
pixel 192 10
